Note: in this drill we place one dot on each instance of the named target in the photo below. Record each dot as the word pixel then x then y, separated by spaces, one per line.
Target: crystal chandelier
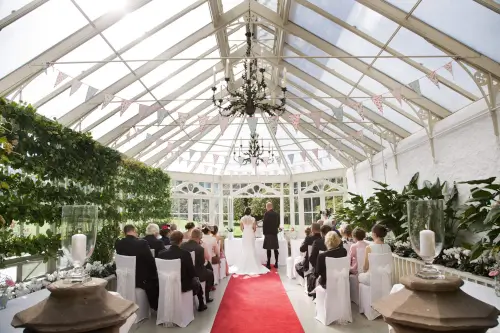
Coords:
pixel 252 94
pixel 255 152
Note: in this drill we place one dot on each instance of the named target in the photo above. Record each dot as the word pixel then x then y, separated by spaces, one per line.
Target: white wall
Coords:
pixel 466 148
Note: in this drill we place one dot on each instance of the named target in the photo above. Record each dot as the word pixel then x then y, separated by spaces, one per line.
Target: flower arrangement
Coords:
pixel 6 282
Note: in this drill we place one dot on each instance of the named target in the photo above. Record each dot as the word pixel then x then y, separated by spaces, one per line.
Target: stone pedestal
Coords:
pixel 76 308
pixel 426 306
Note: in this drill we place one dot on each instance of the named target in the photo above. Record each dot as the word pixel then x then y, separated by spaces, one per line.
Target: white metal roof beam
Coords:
pixel 388 49
pixel 279 42
pixel 61 88
pixel 221 35
pixel 313 162
pixel 35 66
pixel 357 64
pixel 491 4
pixel 434 36
pixel 19 13
pixel 84 108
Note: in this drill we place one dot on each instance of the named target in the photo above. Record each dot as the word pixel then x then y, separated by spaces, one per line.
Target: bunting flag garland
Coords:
pixel 91 91
pixel 265 160
pixel 205 168
pixel 397 94
pixel 169 148
pixel 125 104
pixel 183 116
pixel 254 161
pixel 304 155
pixel 143 109
pixel 203 122
pixel 240 159
pixel 338 113
pixel 377 100
pixel 315 152
pixel 216 158
pixel 449 68
pixel 433 77
pixel 223 122
pixel 75 85
pixel 273 125
pixel 316 117
pixel 60 78
pixel 191 153
pixel 252 124
pixel 294 120
pixel 160 115
pixel 415 86
pixel 290 157
pixel 107 99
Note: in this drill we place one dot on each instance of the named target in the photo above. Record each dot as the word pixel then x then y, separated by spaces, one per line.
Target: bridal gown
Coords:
pixel 248 262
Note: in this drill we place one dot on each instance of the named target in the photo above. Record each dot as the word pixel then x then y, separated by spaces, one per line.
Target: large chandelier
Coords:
pixel 255 154
pixel 252 95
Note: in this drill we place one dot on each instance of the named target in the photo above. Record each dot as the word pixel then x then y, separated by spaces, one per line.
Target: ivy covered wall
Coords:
pixel 45 166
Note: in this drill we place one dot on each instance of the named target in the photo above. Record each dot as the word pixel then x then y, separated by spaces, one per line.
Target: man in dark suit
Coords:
pixel 318 245
pixel 152 233
pixel 146 275
pixel 270 226
pixel 201 256
pixel 189 279
pixel 303 266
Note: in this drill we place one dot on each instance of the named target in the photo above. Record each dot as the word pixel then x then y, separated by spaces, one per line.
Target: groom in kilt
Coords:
pixel 270 226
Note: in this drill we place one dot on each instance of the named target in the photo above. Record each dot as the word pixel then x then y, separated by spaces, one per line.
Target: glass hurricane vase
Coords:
pixel 78 236
pixel 426 229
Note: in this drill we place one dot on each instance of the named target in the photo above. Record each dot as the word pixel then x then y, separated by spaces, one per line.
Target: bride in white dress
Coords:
pixel 248 262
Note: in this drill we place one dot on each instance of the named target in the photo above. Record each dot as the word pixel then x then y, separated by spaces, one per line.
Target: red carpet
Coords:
pixel 256 304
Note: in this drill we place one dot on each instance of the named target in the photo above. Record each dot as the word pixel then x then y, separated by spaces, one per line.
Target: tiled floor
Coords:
pixel 303 305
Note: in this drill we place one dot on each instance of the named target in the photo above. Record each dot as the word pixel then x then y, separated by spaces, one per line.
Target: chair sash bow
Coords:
pixel 124 284
pixel 342 294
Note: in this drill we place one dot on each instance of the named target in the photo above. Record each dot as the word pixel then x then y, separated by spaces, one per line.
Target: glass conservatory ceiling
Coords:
pixel 392 66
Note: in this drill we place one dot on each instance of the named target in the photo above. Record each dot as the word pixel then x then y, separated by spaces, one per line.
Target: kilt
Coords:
pixel 271 242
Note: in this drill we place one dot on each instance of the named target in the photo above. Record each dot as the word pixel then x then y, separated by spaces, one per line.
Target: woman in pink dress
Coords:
pixel 359 236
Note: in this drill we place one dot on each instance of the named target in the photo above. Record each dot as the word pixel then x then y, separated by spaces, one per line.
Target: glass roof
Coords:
pixel 131 72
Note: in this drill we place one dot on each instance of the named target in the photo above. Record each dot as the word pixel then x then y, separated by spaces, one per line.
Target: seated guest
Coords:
pixel 164 233
pixel 201 256
pixel 334 250
pixel 319 245
pixel 146 276
pixel 189 226
pixel 173 227
pixel 220 241
pixel 152 235
pixel 378 246
pixel 320 222
pixel 359 236
pixel 307 231
pixel 210 243
pixel 303 266
pixel 347 236
pixel 189 278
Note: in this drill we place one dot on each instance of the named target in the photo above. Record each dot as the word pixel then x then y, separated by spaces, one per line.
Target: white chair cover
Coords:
pixel 353 279
pixel 193 257
pixel 310 270
pixel 153 252
pixel 334 303
pixel 295 247
pixel 223 266
pixel 380 283
pixel 174 306
pixel 125 280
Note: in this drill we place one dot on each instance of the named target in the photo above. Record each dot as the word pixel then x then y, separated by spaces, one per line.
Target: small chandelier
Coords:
pixel 255 151
pixel 252 94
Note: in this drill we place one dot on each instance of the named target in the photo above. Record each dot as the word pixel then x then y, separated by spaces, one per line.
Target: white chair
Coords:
pixel 174 306
pixel 310 270
pixel 353 279
pixel 125 281
pixel 216 268
pixel 334 303
pixel 380 283
pixel 223 267
pixel 294 258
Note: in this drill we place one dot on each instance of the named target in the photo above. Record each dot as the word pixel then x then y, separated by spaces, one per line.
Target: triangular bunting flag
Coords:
pixel 183 116
pixel 143 109
pixel 124 106
pixel 316 117
pixel 397 94
pixel 223 122
pixel 294 120
pixel 265 160
pixel 415 86
pixel 91 91
pixel 205 168
pixel 433 77
pixel 169 148
pixel 203 122
pixel 160 115
pixel 254 161
pixel 148 136
pixel 303 154
pixel 107 99
pixel 315 152
pixel 191 153
pixel 216 158
pixel 252 124
pixel 75 85
pixel 60 78
pixel 377 100
pixel 290 157
pixel 273 125
pixel 449 68
pixel 240 159
pixel 338 113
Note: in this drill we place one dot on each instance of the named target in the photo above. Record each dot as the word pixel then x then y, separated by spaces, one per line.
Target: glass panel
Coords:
pixel 405 5
pixel 38 31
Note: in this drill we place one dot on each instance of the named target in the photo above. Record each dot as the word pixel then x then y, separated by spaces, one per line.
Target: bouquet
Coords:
pixel 5 282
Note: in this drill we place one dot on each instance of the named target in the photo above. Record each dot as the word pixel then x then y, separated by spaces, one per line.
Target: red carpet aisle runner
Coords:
pixel 258 305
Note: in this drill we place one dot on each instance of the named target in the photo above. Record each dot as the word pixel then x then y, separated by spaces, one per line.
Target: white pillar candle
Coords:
pixel 227 67
pixel 79 248
pixel 427 243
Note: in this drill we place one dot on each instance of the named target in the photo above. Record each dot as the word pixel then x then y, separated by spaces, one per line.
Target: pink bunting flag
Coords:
pixel 107 99
pixel 203 122
pixel 143 110
pixel 182 119
pixel 304 155
pixel 294 120
pixel 377 100
pixel 433 77
pixel 449 68
pixel 315 152
pixel 316 117
pixel 60 78
pixel 397 94
pixel 216 158
pixel 124 106
pixel 223 122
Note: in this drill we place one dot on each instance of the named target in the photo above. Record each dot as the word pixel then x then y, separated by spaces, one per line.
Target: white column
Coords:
pixel 292 204
pixel 322 202
pixel 221 208
pixel 282 211
pixel 301 214
pixel 190 209
pixel 230 212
